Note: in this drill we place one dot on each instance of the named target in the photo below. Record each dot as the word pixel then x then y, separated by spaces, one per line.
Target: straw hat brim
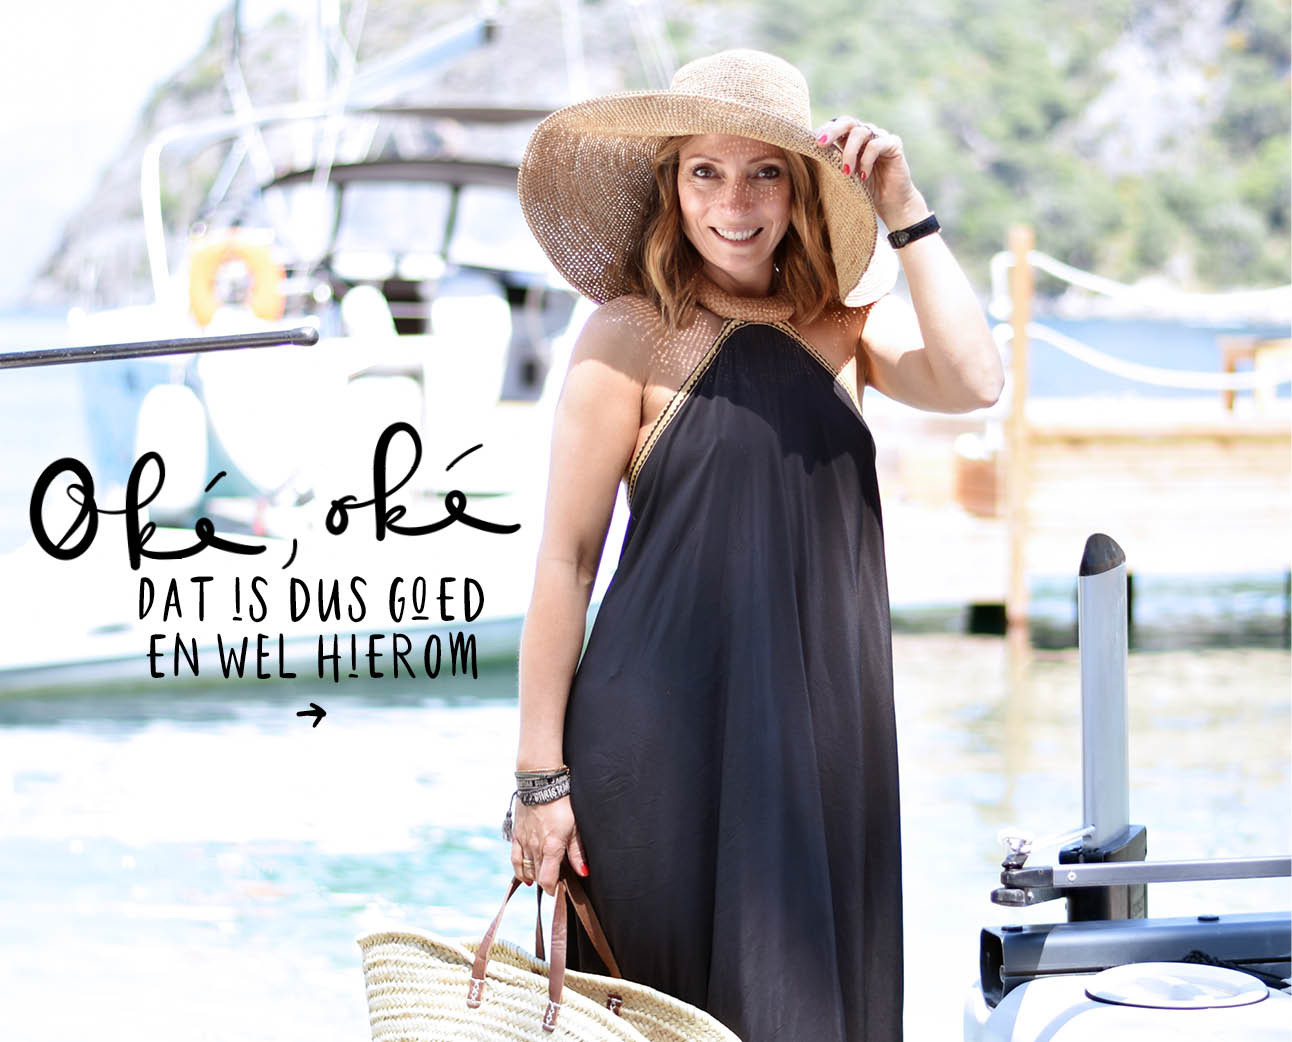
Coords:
pixel 585 184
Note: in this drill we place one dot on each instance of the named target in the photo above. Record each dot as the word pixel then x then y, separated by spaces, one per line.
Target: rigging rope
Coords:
pixel 1148 374
pixel 1179 303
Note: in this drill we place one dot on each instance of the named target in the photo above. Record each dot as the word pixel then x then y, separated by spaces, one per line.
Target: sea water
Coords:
pixel 196 862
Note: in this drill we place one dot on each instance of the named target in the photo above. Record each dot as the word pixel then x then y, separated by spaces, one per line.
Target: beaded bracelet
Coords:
pixel 540 779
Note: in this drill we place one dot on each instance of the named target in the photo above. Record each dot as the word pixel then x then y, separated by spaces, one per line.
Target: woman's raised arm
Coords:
pixel 940 355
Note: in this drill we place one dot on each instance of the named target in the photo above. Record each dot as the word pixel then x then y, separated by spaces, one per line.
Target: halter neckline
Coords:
pixel 775 308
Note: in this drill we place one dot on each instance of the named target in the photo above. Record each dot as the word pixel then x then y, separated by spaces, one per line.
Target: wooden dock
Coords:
pixel 1189 486
pixel 1185 485
pixel 1185 490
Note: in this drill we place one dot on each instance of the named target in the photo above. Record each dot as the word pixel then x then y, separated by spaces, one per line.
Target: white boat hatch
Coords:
pixel 1173 985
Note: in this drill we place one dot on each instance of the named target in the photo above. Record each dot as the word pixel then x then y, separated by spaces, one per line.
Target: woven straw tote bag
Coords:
pixel 656 1016
pixel 423 988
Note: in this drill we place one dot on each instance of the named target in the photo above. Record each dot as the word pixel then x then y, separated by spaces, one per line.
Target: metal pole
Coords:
pixel 1102 634
pixel 1021 283
pixel 302 335
pixel 1103 628
pixel 1077 876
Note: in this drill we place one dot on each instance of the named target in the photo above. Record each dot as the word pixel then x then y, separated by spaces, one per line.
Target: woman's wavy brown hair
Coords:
pixel 664 265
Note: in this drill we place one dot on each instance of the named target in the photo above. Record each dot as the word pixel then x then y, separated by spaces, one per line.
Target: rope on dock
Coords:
pixel 1165 301
pixel 1183 378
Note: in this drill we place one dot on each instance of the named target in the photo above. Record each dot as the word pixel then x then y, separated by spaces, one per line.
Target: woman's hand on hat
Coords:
pixel 543 836
pixel 876 157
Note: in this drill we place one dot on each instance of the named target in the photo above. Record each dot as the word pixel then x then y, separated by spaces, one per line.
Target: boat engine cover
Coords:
pixel 1060 1009
pixel 1174 985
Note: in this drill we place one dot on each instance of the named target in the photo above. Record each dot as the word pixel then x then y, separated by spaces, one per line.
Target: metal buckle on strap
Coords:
pixel 474 990
pixel 549 1018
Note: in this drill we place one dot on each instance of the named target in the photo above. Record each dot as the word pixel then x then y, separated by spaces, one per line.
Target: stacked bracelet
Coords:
pixel 537 779
pixel 534 788
pixel 546 794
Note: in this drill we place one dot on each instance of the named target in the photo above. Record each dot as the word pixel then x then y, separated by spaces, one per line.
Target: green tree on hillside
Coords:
pixel 997 104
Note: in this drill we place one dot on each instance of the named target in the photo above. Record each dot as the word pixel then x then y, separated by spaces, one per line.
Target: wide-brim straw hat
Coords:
pixel 586 181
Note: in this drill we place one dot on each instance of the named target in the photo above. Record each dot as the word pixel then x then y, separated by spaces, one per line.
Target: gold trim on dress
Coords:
pixel 675 403
pixel 785 327
pixel 683 393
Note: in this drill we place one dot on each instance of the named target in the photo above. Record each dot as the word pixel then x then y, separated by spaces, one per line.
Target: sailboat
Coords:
pixel 393 232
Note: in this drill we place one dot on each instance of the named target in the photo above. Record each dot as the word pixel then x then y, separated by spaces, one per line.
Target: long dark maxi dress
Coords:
pixel 730 726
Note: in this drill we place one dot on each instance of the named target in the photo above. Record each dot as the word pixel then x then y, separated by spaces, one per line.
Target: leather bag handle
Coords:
pixel 588 917
pixel 591 925
pixel 556 969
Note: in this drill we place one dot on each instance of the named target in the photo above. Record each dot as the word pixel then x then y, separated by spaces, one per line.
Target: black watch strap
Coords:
pixel 903 236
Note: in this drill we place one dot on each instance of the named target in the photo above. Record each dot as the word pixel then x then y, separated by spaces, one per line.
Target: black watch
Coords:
pixel 902 236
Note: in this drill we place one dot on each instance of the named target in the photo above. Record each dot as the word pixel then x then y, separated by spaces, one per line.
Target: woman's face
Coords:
pixel 735 199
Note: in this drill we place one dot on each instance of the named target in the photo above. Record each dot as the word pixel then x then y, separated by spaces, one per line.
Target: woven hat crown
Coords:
pixel 753 78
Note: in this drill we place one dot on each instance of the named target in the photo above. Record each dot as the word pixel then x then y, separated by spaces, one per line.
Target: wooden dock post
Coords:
pixel 1022 239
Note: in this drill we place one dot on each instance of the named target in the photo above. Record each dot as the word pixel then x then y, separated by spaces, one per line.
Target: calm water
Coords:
pixel 1155 342
pixel 195 862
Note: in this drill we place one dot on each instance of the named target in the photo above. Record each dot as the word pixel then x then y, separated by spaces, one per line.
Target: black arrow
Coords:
pixel 315 710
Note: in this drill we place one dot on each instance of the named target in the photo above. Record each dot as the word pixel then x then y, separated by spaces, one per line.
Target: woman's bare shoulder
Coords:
pixel 625 332
pixel 837 329
pixel 856 316
pixel 855 321
pixel 633 306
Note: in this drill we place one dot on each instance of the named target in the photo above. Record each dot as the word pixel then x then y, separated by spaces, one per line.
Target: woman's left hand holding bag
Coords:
pixel 543 836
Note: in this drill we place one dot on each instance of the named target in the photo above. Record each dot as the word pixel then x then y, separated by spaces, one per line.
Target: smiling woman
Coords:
pixel 734 193
pixel 746 212
pixel 727 740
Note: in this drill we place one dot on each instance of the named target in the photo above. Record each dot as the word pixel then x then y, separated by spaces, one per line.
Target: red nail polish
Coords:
pixel 845 168
pixel 823 138
pixel 863 175
pixel 583 871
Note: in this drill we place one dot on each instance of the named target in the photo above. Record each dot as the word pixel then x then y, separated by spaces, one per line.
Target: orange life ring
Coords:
pixel 265 295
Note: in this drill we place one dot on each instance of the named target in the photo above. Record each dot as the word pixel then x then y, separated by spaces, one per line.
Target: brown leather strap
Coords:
pixel 539 951
pixel 588 918
pixel 475 989
pixel 568 891
pixel 556 971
